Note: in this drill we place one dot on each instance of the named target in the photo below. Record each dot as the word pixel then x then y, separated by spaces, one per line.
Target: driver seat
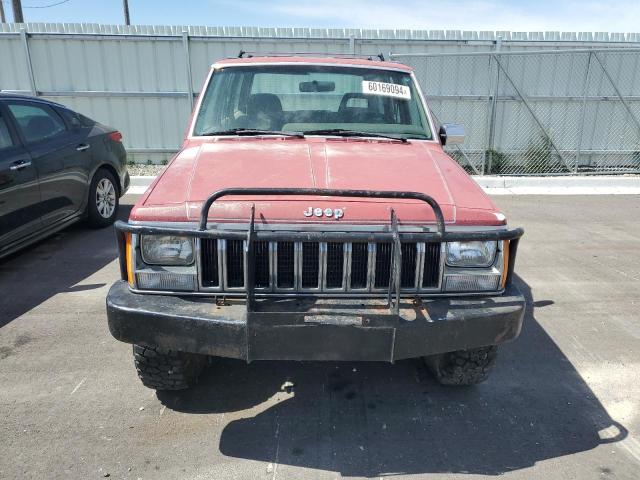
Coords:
pixel 264 111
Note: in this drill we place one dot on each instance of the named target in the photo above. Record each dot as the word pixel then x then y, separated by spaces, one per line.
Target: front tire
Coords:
pixel 165 369
pixel 103 202
pixel 463 367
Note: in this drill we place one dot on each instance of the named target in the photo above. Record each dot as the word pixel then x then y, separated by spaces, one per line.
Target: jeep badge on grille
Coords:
pixel 336 213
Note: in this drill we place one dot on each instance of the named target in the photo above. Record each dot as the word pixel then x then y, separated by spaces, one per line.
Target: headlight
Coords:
pixel 471 254
pixel 166 250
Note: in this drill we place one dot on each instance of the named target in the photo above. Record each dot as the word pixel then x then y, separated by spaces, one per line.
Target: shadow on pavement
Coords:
pixel 55 265
pixel 370 419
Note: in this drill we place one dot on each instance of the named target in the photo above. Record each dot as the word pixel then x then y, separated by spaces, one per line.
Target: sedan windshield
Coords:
pixel 312 99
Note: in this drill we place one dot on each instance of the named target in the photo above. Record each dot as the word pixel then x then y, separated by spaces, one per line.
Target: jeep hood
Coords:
pixel 340 163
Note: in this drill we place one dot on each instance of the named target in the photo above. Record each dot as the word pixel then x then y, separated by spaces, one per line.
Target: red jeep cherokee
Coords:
pixel 312 214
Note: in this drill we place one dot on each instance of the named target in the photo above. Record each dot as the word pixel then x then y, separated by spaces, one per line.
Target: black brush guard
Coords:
pixel 300 328
pixel 393 235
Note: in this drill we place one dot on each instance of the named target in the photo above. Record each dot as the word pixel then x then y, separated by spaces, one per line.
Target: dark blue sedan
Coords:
pixel 56 167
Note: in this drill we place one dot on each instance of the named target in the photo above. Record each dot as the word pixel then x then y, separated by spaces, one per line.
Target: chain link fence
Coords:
pixel 538 112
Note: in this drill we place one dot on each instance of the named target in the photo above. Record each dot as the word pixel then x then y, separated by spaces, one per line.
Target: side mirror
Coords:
pixel 451 134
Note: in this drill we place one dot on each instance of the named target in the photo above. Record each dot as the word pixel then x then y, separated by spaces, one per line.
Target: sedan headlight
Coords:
pixel 471 254
pixel 166 250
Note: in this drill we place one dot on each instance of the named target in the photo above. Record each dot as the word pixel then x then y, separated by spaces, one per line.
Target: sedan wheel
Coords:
pixel 105 198
pixel 102 207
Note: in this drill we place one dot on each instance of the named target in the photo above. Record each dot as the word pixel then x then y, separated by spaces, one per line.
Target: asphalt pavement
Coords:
pixel 563 402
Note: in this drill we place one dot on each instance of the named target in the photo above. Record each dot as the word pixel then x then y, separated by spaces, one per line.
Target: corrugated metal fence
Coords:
pixel 543 110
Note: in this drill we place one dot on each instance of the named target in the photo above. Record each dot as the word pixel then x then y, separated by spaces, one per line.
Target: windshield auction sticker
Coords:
pixel 386 89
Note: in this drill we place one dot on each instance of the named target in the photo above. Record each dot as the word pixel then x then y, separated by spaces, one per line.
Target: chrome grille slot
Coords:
pixel 235 263
pixel 310 264
pixel 335 265
pixel 261 264
pixel 209 263
pixel 285 265
pixel 432 266
pixel 359 265
pixel 383 265
pixel 408 273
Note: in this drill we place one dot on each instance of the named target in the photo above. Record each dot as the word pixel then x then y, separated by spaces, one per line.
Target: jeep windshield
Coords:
pixel 313 100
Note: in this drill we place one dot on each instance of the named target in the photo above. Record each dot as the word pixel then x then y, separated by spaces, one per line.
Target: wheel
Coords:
pixel 102 206
pixel 165 369
pixel 463 367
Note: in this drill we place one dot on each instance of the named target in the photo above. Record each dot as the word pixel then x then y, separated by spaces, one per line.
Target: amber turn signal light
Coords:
pixel 505 262
pixel 129 258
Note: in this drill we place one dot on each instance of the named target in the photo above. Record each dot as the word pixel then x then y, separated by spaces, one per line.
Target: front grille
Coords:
pixel 319 267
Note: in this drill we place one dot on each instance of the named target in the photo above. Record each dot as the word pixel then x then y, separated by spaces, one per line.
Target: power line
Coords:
pixel 17 9
pixel 46 6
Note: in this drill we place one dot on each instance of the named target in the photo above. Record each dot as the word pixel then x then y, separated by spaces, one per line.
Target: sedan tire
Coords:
pixel 103 202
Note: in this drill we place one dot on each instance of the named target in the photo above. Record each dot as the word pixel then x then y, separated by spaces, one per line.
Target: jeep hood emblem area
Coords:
pixel 336 213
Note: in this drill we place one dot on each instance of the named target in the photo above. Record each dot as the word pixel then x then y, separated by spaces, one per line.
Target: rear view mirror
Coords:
pixel 316 86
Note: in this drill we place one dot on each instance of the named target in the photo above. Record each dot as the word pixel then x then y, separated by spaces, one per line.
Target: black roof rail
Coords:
pixel 245 54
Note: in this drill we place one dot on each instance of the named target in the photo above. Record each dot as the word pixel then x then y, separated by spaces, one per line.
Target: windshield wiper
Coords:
pixel 341 132
pixel 252 131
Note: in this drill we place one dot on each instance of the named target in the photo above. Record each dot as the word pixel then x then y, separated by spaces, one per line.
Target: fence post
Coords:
pixel 187 59
pixel 583 114
pixel 352 44
pixel 493 98
pixel 27 54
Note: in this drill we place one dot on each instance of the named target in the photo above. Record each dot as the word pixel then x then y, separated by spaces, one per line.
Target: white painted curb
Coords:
pixel 578 185
pixel 493 185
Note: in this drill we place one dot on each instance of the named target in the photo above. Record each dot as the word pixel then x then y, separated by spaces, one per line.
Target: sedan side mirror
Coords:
pixel 451 134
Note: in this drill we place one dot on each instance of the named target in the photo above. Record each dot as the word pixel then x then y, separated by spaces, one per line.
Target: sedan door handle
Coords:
pixel 82 147
pixel 20 165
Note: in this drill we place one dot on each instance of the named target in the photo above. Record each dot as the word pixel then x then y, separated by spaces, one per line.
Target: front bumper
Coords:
pixel 313 329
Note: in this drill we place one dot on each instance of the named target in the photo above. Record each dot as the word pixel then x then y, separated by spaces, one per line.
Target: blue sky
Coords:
pixel 514 15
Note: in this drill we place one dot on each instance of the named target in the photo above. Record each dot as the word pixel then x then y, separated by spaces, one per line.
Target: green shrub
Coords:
pixel 538 158
pixel 496 162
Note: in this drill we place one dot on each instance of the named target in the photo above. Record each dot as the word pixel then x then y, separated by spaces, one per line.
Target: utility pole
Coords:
pixel 125 5
pixel 2 17
pixel 17 11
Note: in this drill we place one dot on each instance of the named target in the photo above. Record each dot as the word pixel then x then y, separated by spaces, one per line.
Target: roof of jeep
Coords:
pixel 360 62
